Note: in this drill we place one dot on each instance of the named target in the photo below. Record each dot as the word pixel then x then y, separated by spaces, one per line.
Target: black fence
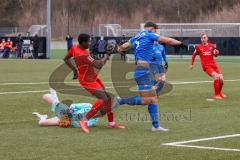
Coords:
pixel 226 45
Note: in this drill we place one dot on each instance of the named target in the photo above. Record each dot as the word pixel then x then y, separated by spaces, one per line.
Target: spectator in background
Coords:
pixel 93 46
pixel 19 44
pixel 122 41
pixel 35 46
pixel 2 45
pixel 69 40
pixel 7 49
pixel 101 47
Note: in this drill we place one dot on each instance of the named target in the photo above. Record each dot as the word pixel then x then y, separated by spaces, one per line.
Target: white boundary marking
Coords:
pixel 42 91
pixel 111 87
pixel 172 82
pixel 185 143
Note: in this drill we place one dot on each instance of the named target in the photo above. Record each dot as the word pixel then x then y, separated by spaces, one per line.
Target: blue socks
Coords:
pixel 153 111
pixel 137 100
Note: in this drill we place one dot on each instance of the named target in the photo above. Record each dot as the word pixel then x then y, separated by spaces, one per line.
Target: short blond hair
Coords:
pixel 203 34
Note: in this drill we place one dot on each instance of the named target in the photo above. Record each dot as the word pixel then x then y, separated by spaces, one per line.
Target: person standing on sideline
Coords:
pixel 101 47
pixel 19 44
pixel 93 46
pixel 2 46
pixel 7 49
pixel 35 46
pixel 69 40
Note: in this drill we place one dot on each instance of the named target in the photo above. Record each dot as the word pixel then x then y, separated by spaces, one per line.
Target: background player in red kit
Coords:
pixel 89 79
pixel 207 52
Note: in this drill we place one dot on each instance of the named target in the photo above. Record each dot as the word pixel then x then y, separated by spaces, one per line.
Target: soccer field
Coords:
pixel 199 128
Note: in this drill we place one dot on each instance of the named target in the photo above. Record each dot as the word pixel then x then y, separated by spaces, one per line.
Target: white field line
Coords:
pixel 40 83
pixel 198 82
pixel 208 148
pixel 111 87
pixel 172 82
pixel 23 92
pixel 184 143
pixel 42 91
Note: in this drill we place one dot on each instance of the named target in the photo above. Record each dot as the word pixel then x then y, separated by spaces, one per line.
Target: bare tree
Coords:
pixel 83 15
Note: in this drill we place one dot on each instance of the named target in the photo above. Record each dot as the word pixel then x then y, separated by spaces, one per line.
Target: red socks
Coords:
pixel 220 86
pixel 110 115
pixel 216 87
pixel 96 107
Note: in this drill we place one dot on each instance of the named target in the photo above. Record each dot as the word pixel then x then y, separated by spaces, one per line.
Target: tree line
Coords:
pixel 83 15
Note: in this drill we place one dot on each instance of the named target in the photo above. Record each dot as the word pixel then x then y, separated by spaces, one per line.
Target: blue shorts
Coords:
pixel 156 68
pixel 144 78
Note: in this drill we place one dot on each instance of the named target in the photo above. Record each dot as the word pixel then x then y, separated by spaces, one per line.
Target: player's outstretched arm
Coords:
pixel 193 59
pixel 124 47
pixel 169 41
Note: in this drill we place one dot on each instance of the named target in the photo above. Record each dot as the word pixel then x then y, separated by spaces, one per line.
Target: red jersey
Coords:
pixel 7 44
pixel 84 62
pixel 206 54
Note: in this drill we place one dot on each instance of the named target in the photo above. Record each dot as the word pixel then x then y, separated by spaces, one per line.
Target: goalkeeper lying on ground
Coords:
pixel 63 121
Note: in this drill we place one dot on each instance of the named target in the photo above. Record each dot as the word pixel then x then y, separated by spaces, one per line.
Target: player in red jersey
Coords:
pixel 207 52
pixel 89 79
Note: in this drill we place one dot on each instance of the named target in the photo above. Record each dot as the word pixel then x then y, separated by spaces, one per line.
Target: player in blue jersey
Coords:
pixel 157 68
pixel 142 45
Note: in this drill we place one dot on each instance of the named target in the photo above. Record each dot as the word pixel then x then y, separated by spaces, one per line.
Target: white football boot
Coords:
pixel 40 116
pixel 159 129
pixel 54 95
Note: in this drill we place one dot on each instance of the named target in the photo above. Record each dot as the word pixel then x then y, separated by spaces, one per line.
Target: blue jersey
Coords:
pixel 159 54
pixel 142 45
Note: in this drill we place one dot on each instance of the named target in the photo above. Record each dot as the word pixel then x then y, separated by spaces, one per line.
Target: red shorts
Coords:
pixel 93 86
pixel 211 69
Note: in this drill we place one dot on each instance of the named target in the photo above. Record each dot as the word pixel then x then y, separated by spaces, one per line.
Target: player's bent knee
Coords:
pixel 154 100
pixel 101 94
pixel 163 78
pixel 150 100
pixel 146 101
pixel 221 77
pixel 215 76
pixel 46 96
pixel 221 80
pixel 160 78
